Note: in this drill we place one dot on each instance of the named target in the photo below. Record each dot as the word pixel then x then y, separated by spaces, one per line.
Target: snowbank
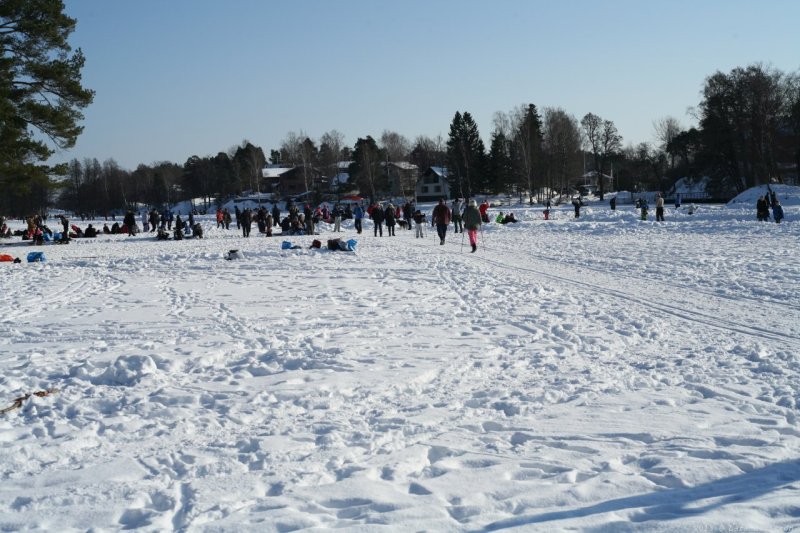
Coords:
pixel 788 195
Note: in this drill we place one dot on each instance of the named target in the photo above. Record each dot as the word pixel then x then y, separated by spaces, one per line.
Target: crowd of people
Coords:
pixel 38 232
pixel 462 215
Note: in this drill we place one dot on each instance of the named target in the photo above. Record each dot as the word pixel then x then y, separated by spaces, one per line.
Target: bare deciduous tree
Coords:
pixel 666 129
pixel 603 140
pixel 395 145
pixel 290 148
pixel 562 145
pixel 330 153
pixel 428 152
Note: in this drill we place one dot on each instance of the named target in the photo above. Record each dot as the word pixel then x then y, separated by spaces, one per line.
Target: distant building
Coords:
pixel 433 185
pixel 589 183
pixel 340 183
pixel 292 181
pixel 403 177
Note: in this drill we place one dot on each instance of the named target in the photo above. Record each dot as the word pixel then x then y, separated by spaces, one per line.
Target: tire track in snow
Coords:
pixel 632 299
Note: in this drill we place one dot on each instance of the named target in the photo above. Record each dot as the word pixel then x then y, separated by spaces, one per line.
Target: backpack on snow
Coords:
pixel 36 257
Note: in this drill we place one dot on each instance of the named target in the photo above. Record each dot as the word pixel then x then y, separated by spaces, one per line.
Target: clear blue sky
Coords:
pixel 176 78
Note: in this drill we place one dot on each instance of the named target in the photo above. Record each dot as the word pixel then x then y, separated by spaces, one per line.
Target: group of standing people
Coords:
pixel 261 216
pixel 765 202
pixel 470 219
pixel 391 215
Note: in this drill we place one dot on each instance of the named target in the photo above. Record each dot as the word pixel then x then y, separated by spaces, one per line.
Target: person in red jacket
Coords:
pixel 483 209
pixel 441 219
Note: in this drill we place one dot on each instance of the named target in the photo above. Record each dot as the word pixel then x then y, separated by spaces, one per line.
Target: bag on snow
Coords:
pixel 36 257
pixel 316 244
pixel 234 254
pixel 286 245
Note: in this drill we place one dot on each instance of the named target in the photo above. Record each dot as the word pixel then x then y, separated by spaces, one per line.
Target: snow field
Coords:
pixel 594 374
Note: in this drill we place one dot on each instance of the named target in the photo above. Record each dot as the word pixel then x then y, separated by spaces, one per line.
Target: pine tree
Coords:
pixel 367 167
pixel 466 154
pixel 41 97
pixel 500 168
pixel 528 150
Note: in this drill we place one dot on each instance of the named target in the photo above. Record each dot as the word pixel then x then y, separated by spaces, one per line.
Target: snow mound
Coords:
pixel 788 195
pixel 127 370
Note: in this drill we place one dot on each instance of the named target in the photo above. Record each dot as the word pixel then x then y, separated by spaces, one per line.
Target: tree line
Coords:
pixel 747 133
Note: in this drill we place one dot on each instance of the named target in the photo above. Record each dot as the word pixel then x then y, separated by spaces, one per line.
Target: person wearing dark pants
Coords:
pixel 245 220
pixel 389 215
pixel 441 219
pixel 660 208
pixel 377 219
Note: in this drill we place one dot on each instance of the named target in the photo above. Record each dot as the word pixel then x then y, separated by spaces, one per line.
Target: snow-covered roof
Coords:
pixel 592 174
pixel 271 171
pixel 340 178
pixel 441 171
pixel 402 165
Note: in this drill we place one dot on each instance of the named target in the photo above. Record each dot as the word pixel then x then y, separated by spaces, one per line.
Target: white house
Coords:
pixel 433 186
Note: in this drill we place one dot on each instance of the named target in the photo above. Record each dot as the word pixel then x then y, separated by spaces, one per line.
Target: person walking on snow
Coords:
pixel 391 218
pixel 358 215
pixel 472 222
pixel 377 219
pixel 408 214
pixel 337 218
pixel 419 222
pixel 276 215
pixel 457 220
pixel 762 209
pixel 660 208
pixel 129 220
pixel 245 221
pixel 777 210
pixel 577 202
pixel 484 207
pixel 441 219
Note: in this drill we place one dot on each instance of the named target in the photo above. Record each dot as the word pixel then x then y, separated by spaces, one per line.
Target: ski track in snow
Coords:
pixel 541 383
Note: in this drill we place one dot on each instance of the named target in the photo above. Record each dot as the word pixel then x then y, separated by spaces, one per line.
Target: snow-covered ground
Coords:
pixel 601 374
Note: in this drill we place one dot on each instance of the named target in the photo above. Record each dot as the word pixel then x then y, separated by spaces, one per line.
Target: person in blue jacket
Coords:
pixel 777 210
pixel 358 215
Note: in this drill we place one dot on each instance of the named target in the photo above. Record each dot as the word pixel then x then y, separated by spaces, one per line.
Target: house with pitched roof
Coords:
pixel 433 185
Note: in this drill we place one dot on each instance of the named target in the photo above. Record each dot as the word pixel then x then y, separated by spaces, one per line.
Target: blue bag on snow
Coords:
pixel 286 245
pixel 36 257
pixel 351 245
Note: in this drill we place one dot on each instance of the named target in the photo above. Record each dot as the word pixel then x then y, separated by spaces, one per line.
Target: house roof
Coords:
pixel 341 177
pixel 439 171
pixel 272 171
pixel 403 165
pixel 592 174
